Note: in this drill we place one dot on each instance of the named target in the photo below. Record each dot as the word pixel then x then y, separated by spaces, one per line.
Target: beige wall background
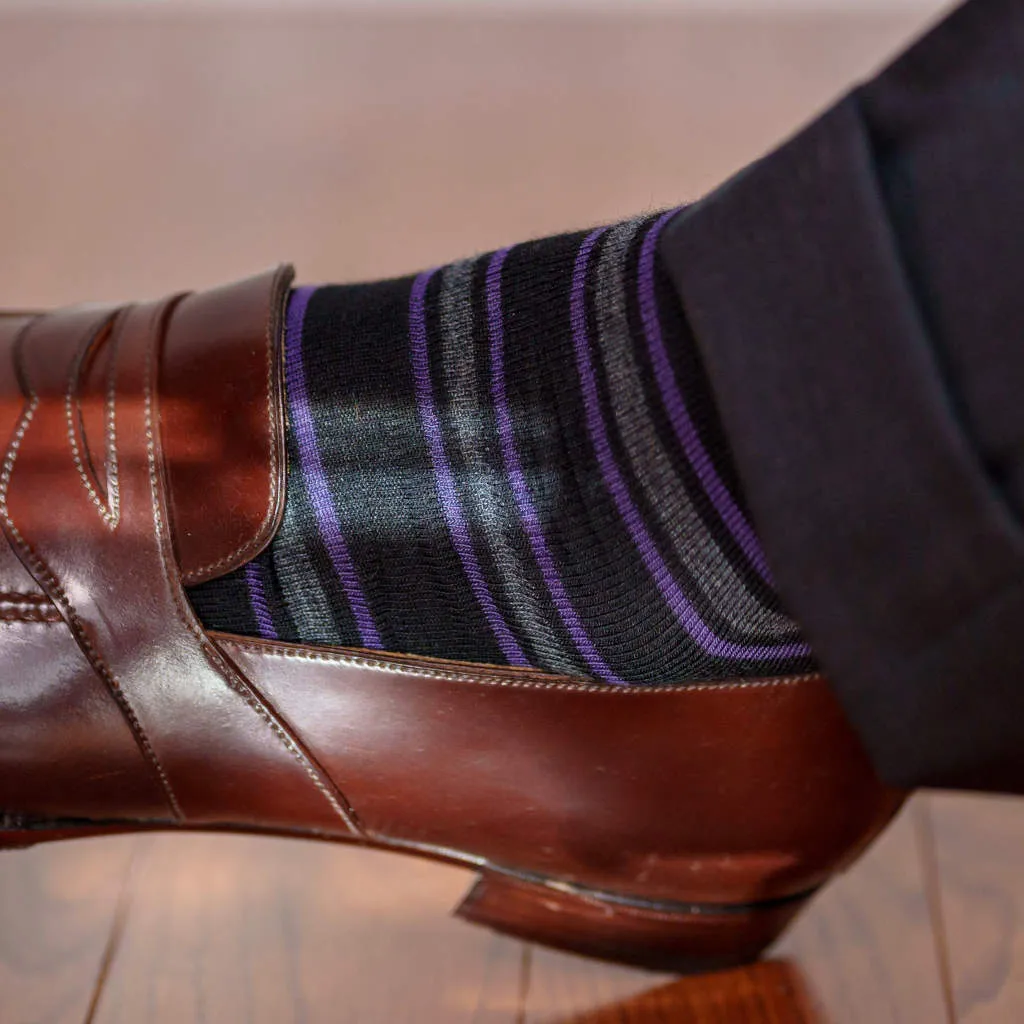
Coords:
pixel 157 144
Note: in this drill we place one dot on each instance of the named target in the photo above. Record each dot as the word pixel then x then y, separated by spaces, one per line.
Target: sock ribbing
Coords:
pixel 513 459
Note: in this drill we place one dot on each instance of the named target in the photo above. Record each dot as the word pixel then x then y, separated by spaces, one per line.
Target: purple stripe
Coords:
pixel 667 584
pixel 685 430
pixel 517 479
pixel 313 471
pixel 258 601
pixel 447 495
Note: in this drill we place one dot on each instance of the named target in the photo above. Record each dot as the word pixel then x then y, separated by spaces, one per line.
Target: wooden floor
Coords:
pixel 143 154
pixel 180 929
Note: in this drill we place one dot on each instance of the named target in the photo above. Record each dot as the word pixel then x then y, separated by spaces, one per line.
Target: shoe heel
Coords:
pixel 680 937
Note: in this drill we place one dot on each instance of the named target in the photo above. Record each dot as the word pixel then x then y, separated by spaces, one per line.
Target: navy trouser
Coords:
pixel 858 298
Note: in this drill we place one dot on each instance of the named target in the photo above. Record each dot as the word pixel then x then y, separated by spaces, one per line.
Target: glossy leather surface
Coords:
pixel 142 449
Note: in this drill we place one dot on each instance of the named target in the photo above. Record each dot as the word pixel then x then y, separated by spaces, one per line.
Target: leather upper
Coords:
pixel 143 451
pixel 90 518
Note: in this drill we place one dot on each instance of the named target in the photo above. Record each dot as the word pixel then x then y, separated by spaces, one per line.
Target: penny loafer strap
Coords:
pixel 86 503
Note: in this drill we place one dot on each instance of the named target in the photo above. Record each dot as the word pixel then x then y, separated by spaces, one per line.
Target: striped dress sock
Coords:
pixel 513 459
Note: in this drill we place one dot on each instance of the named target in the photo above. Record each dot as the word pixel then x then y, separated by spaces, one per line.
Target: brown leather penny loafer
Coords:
pixel 671 826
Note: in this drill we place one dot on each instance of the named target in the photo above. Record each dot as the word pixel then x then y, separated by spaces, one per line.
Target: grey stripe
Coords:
pixel 663 488
pixel 489 505
pixel 293 555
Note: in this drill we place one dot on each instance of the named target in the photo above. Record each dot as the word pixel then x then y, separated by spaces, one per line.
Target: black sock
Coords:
pixel 513 459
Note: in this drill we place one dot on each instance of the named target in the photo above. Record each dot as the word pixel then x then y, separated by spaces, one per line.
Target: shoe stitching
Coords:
pixel 26 607
pixel 533 683
pixel 110 510
pixel 42 571
pixel 275 325
pixel 230 675
pixel 22 597
pixel 51 617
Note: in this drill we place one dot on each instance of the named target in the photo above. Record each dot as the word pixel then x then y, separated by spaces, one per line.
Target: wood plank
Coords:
pixel 980 875
pixel 246 929
pixel 866 945
pixel 863 950
pixel 770 992
pixel 58 906
pixel 566 987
